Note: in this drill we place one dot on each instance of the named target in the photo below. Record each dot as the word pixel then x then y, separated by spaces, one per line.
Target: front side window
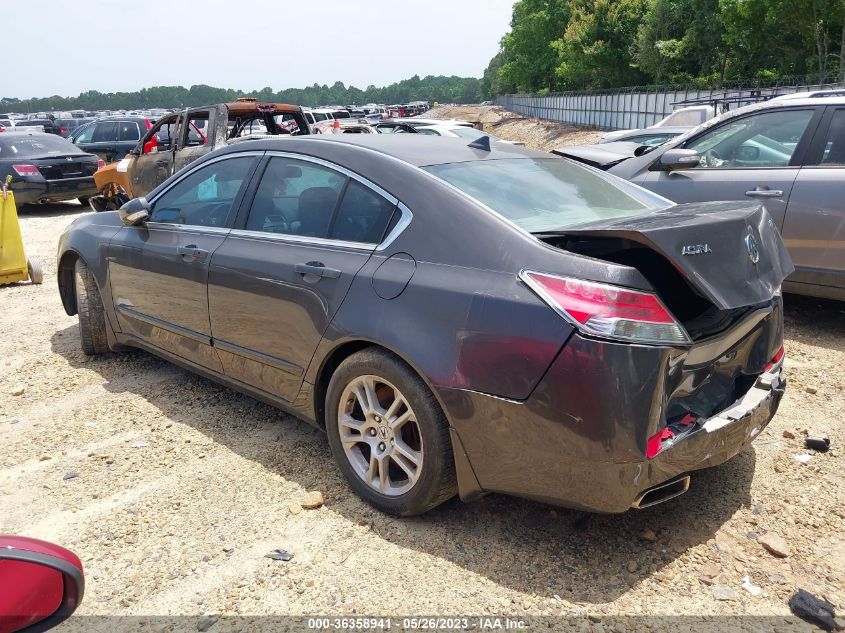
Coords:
pixel 766 139
pixel 547 194
pixel 195 131
pixel 85 135
pixel 205 197
pixel 296 198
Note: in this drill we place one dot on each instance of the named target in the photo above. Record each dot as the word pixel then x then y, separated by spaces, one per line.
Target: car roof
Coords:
pixel 415 149
pixel 827 96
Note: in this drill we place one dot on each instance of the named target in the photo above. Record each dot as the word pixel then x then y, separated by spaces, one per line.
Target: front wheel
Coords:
pixel 389 435
pixel 92 316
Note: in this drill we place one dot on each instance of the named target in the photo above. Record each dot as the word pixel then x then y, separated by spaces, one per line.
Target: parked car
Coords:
pixel 787 153
pixel 41 125
pixel 67 126
pixel 685 118
pixel 41 584
pixel 460 131
pixel 46 167
pixel 456 320
pixel 647 136
pixel 344 126
pixel 111 138
pixel 178 139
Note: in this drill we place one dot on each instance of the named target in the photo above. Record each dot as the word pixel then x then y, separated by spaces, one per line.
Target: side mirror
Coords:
pixel 675 159
pixel 135 212
pixel 747 153
pixel 41 584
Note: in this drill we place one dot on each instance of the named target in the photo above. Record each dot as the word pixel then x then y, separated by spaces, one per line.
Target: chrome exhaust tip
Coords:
pixel 663 492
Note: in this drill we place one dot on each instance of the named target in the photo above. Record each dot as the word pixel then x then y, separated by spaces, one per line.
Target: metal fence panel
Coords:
pixel 638 107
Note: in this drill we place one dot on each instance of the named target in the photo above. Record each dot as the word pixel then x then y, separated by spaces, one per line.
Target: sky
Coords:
pixel 126 45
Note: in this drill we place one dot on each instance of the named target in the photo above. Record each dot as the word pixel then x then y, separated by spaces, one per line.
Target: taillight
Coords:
pixel 101 163
pixel 606 310
pixel 775 360
pixel 26 170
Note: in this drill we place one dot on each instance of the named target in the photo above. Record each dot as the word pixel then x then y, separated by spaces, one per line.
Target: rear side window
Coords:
pixel 295 198
pixel 105 131
pixel 128 131
pixel 363 215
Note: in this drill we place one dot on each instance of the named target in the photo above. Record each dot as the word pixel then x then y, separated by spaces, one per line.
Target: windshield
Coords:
pixel 12 146
pixel 547 194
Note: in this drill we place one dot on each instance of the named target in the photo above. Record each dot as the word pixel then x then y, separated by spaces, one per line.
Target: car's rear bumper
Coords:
pixel 580 440
pixel 577 481
pixel 67 189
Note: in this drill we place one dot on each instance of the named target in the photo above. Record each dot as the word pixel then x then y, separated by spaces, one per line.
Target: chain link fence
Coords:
pixel 642 106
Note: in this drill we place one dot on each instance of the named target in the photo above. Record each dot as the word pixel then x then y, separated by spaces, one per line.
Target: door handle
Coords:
pixel 765 193
pixel 162 163
pixel 318 269
pixel 191 251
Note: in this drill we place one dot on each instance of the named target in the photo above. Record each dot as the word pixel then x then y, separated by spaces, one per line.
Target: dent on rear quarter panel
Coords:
pixel 462 328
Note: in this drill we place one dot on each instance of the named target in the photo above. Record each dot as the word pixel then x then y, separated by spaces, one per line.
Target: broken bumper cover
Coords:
pixel 578 444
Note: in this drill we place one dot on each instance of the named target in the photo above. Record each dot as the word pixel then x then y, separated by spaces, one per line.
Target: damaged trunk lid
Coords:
pixel 729 252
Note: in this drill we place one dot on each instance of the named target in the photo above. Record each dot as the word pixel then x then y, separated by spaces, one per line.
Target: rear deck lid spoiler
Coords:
pixel 730 252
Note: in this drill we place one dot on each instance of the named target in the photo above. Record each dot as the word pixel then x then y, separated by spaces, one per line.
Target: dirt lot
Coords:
pixel 172 489
pixel 515 127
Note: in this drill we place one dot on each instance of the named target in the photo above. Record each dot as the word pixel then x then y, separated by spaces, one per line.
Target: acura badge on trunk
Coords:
pixel 696 249
pixel 751 245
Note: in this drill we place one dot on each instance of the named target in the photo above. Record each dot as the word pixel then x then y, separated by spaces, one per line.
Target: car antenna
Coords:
pixel 482 143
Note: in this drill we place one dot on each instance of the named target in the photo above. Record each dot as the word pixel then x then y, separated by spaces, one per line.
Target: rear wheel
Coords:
pixel 36 273
pixel 388 434
pixel 92 317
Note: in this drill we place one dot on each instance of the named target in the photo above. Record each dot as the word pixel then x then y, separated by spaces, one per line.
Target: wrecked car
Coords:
pixel 180 138
pixel 457 318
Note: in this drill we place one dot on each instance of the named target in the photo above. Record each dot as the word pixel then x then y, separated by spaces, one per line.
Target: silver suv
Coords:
pixel 787 153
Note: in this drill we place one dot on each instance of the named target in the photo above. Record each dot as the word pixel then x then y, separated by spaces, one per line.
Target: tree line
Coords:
pixel 431 88
pixel 557 45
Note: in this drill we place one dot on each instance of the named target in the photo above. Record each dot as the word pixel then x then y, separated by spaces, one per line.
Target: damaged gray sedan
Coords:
pixel 457 318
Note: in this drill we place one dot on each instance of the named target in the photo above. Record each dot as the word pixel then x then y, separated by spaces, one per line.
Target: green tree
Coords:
pixel 528 58
pixel 597 48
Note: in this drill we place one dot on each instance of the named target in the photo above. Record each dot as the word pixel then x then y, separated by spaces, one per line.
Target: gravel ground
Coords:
pixel 172 489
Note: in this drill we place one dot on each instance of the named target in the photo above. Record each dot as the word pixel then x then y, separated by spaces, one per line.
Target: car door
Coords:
pixel 285 268
pixel 159 270
pixel 753 157
pixel 814 230
pixel 154 164
pixel 193 142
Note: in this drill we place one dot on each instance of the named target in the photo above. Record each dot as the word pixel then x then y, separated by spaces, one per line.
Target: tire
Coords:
pixel 405 487
pixel 36 274
pixel 92 317
pixel 84 200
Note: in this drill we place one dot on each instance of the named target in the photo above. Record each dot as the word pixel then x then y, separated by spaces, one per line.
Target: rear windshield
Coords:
pixel 547 194
pixel 14 145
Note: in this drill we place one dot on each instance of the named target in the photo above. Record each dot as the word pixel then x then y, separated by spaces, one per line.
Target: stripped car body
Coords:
pixel 585 363
pixel 180 138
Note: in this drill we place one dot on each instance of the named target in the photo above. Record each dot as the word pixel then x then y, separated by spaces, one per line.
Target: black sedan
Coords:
pixel 46 167
pixel 458 318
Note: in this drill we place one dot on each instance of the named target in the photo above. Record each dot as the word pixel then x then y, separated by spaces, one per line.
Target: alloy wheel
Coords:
pixel 380 435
